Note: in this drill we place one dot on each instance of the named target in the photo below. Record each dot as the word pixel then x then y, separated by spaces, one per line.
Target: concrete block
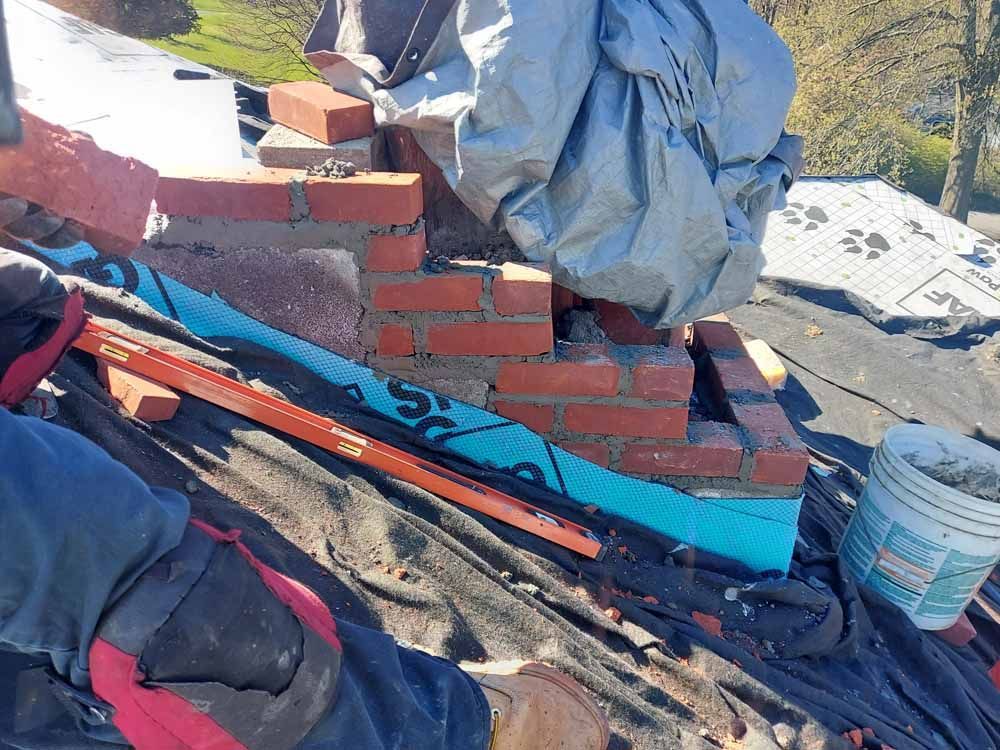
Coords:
pixel 284 148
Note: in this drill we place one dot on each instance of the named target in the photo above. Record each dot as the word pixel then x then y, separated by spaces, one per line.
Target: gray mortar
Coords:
pixel 170 232
pixel 335 168
pixel 297 191
pixel 975 478
pixel 581 327
pixel 495 247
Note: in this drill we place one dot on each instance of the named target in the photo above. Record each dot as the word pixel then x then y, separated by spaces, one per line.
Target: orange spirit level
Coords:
pixel 227 393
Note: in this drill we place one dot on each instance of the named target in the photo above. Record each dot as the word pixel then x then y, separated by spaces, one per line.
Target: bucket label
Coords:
pixel 919 576
pixel 957 579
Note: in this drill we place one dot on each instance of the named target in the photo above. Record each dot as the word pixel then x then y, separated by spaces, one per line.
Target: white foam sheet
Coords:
pixel 121 91
pixel 871 238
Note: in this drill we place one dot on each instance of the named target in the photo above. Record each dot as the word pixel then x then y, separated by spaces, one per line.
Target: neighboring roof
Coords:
pixel 121 91
pixel 871 238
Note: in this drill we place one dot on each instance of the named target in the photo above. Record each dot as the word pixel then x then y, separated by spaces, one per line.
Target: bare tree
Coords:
pixel 953 41
pixel 275 27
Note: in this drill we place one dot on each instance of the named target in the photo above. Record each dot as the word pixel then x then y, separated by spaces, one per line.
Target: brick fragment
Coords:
pixel 994 674
pixel 141 397
pixel 376 198
pixel 523 289
pixel 585 370
pixel 600 419
pixel 667 375
pixel 855 737
pixel 614 613
pixel 440 293
pixel 596 453
pixel 489 339
pixel 716 334
pixel 623 327
pixel 395 341
pixel 249 194
pixel 317 110
pixel 71 176
pixel 709 623
pixel 960 634
pixel 713 450
pixel 536 417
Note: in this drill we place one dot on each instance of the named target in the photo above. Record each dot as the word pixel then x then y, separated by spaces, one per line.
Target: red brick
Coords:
pixel 767 423
pixel 443 293
pixel 395 341
pixel 716 334
pixel 537 417
pixel 595 376
pixel 779 456
pixel 523 289
pixel 713 450
pixel 317 110
pixel 667 376
pixel 737 374
pixel 141 397
pixel 395 253
pixel 784 466
pixel 599 419
pixel 960 634
pixel 596 453
pixel 490 339
pixel 376 198
pixel 623 327
pixel 73 177
pixel 249 194
pixel 563 299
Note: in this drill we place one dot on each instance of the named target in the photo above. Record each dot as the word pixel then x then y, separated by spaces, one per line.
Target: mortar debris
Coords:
pixel 336 168
pixel 581 327
pixel 975 478
pixel 496 249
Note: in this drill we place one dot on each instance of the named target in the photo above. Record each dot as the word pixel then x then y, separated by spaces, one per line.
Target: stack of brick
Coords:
pixel 314 123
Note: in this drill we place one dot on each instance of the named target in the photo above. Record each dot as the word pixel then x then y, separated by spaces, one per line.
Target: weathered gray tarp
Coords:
pixel 636 145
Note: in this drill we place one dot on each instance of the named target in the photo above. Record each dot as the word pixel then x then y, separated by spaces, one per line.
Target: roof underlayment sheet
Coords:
pixel 873 239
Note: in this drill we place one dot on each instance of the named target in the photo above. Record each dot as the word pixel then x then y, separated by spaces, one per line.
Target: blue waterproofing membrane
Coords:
pixel 759 532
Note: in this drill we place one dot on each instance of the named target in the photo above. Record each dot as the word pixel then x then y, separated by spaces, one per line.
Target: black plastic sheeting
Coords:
pixel 798 663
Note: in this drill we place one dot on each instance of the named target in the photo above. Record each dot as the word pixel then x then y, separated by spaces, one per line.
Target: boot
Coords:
pixel 536 707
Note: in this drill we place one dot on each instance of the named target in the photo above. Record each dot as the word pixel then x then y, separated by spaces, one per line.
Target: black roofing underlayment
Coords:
pixel 801 662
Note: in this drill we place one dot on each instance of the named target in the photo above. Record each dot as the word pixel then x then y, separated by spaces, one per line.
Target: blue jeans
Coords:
pixel 77 528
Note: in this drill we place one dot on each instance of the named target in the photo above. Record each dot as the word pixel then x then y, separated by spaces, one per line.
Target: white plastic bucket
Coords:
pixel 924 545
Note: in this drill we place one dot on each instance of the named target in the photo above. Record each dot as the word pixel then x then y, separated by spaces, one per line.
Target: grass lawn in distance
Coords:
pixel 213 46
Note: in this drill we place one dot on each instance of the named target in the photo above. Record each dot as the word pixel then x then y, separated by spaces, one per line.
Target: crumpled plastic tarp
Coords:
pixel 635 145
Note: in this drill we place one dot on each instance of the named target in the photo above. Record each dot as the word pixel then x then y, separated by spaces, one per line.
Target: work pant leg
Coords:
pixel 395 698
pixel 77 528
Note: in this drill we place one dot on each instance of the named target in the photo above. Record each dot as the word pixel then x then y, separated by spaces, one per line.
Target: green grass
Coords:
pixel 928 165
pixel 213 45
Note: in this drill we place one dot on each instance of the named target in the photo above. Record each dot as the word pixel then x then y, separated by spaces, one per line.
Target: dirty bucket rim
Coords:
pixel 948 498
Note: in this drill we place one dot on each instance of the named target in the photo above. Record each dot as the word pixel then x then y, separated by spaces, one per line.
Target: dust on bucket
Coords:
pixel 926 532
